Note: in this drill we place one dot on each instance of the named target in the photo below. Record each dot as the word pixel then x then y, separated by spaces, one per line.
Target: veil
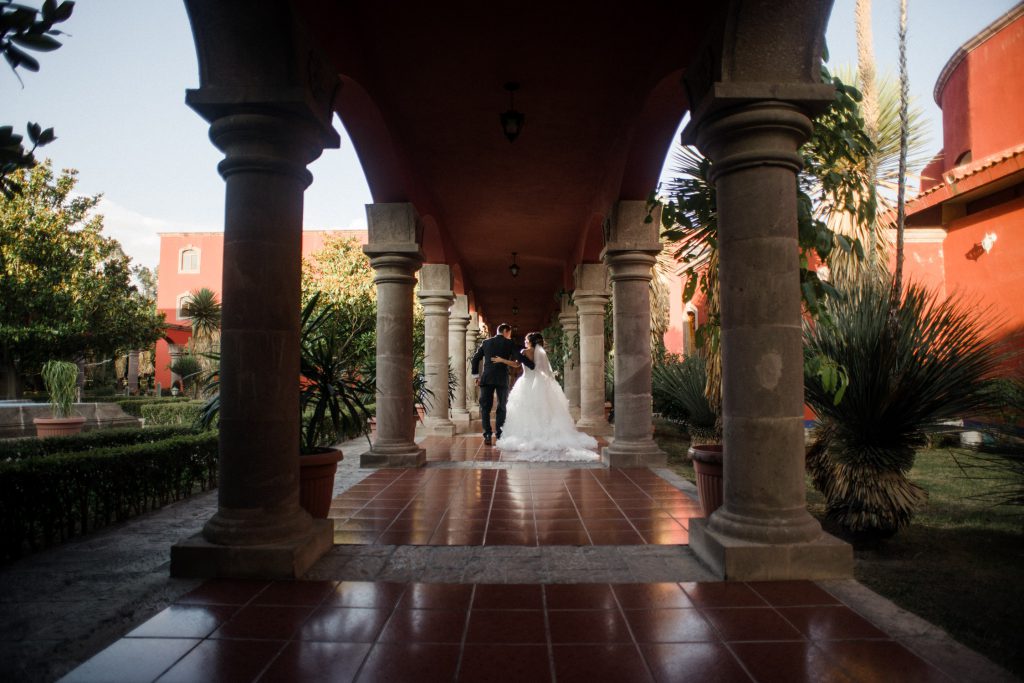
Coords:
pixel 541 363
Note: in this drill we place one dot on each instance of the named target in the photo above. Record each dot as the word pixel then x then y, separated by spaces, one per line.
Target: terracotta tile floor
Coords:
pixel 522 506
pixel 344 631
pixel 470 448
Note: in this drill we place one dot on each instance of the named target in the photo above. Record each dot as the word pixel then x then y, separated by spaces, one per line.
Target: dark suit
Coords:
pixel 493 378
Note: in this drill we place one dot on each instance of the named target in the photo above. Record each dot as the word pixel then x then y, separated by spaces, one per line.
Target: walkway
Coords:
pixel 384 610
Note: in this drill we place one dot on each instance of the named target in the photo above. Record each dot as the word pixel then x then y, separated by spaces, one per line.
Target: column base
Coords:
pixel 462 422
pixel 596 427
pixel 633 454
pixel 415 457
pixel 826 557
pixel 197 558
pixel 440 426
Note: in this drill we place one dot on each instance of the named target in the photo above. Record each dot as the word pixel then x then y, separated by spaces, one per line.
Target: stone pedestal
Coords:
pixel 763 529
pixel 568 317
pixel 133 371
pixel 394 252
pixel 458 324
pixel 590 297
pixel 631 252
pixel 437 296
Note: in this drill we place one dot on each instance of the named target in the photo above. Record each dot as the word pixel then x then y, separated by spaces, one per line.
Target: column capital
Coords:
pixel 393 244
pixel 755 134
pixel 591 303
pixel 278 143
pixel 591 277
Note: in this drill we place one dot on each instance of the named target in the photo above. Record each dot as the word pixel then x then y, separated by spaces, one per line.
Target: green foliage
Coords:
pixel 24 28
pixel 18 449
pixel 50 499
pixel 171 413
pixel 133 404
pixel 933 364
pixel 65 289
pixel 677 387
pixel 188 367
pixel 340 276
pixel 333 396
pixel 60 379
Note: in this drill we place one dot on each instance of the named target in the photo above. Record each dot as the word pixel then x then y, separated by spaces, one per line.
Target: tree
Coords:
pixel 24 28
pixel 65 289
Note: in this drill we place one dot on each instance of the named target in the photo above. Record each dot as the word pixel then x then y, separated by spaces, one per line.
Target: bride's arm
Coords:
pixel 504 361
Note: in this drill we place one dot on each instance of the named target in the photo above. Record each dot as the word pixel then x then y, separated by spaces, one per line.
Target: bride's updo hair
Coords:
pixel 535 339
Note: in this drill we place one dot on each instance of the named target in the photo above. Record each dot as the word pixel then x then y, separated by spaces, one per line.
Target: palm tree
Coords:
pixel 203 309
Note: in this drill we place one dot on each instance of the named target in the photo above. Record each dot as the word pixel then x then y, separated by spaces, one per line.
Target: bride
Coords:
pixel 538 425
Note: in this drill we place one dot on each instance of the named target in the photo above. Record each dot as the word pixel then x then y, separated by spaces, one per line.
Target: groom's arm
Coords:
pixel 477 357
pixel 525 360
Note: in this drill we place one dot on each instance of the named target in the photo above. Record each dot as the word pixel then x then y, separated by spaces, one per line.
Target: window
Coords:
pixel 188 260
pixel 964 158
pixel 179 302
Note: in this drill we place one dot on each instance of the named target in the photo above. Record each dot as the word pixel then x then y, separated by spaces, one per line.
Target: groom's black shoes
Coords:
pixel 499 435
pixel 487 441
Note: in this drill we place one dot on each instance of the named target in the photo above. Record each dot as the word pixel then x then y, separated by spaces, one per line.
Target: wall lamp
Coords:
pixel 512 121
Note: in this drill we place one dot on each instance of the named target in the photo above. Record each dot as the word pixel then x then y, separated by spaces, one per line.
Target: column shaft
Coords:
pixel 436 296
pixel 395 256
pixel 458 323
pixel 591 304
pixel 569 318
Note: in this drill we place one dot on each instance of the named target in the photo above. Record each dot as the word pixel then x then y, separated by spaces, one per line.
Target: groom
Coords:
pixel 494 379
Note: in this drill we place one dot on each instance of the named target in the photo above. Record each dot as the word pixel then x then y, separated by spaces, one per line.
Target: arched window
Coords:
pixel 188 260
pixel 178 303
pixel 964 158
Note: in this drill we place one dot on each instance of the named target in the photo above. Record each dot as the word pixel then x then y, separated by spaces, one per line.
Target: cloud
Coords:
pixel 137 232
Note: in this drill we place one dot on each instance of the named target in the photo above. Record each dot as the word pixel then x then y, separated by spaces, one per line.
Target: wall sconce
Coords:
pixel 512 121
pixel 514 268
pixel 515 307
pixel 983 247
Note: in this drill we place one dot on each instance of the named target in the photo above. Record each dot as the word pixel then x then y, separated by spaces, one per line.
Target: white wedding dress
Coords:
pixel 538 426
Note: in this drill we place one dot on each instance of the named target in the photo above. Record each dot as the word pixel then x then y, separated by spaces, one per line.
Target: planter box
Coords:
pixel 707 464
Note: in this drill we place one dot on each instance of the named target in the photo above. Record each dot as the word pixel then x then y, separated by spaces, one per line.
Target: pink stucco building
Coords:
pixel 192 260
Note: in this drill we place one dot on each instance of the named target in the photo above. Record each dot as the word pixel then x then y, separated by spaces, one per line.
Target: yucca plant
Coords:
pixel 60 379
pixel 934 363
pixel 678 391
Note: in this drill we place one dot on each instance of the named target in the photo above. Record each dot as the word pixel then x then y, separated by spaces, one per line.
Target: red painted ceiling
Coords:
pixel 422 90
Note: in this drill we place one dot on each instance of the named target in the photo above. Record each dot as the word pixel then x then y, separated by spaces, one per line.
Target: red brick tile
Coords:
pixel 793 593
pixel 506 626
pixel 425 626
pixel 650 595
pixel 876 660
pixel 588 626
pixel 344 624
pixel 750 623
pixel 132 659
pixel 590 663
pixel 436 596
pixel 704 662
pixel 295 593
pixel 793 663
pixel 830 622
pixel 316 662
pixel 579 596
pixel 508 596
pixel 268 622
pixel 184 621
pixel 669 626
pixel 220 661
pixel 722 594
pixel 378 594
pixel 223 592
pixel 505 662
pixel 420 662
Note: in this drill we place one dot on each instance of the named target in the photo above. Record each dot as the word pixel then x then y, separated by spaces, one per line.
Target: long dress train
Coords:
pixel 538 425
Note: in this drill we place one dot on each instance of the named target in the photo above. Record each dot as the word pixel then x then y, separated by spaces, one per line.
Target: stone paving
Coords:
pixel 61 606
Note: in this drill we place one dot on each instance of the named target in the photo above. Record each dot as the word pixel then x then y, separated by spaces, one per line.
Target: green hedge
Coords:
pixel 133 404
pixel 52 499
pixel 17 449
pixel 171 413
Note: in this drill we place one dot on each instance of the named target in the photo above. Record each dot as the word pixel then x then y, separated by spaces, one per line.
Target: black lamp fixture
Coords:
pixel 512 121
pixel 514 268
pixel 515 307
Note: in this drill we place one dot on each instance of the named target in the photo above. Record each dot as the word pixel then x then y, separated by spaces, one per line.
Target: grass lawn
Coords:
pixel 959 565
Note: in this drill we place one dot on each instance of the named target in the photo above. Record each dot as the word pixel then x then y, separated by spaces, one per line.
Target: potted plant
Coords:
pixel 332 404
pixel 60 379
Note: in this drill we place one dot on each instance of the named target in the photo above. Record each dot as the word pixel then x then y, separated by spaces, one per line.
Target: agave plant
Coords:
pixel 933 363
pixel 678 391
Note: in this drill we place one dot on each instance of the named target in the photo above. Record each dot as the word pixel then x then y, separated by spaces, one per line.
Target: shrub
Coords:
pixel 171 413
pixel 133 404
pixel 909 376
pixel 18 449
pixel 51 499
pixel 677 387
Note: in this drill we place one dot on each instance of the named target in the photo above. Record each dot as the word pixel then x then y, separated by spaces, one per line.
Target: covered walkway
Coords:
pixel 375 611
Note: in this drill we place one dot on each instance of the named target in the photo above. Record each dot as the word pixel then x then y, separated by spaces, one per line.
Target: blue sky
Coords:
pixel 115 95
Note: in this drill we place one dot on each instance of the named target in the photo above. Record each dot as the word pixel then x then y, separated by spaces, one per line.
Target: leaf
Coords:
pixel 63 11
pixel 33 41
pixel 16 58
pixel 34 129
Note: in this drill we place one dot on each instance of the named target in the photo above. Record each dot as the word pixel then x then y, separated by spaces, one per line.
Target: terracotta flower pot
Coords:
pixel 316 481
pixel 58 426
pixel 707 464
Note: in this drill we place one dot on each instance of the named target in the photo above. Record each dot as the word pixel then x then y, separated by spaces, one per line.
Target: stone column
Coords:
pixel 472 390
pixel 763 529
pixel 395 255
pixel 591 297
pixel 133 371
pixel 568 316
pixel 437 296
pixel 631 252
pixel 458 323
